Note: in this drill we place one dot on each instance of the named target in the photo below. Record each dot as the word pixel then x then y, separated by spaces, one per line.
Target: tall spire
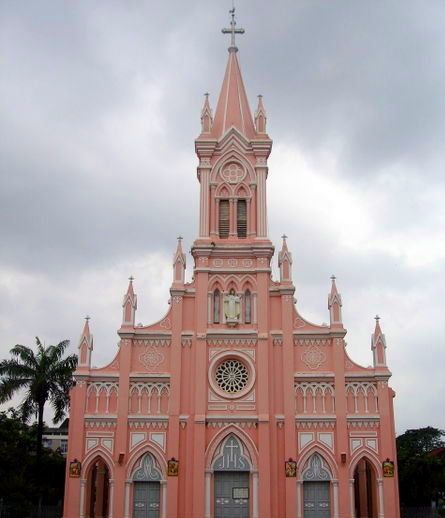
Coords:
pixel 335 304
pixel 206 115
pixel 233 107
pixel 285 262
pixel 85 345
pixel 260 116
pixel 179 264
pixel 129 305
pixel 378 345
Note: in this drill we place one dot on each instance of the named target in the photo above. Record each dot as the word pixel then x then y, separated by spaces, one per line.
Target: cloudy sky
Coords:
pixel 100 105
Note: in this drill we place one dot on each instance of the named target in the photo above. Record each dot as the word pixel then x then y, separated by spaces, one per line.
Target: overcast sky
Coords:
pixel 99 108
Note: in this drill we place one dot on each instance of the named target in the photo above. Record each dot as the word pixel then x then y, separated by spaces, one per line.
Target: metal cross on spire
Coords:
pixel 232 31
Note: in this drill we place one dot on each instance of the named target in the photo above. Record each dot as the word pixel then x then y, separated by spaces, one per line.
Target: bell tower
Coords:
pixel 233 150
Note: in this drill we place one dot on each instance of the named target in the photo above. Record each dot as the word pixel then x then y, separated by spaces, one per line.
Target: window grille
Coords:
pixel 247 307
pixel 241 220
pixel 216 307
pixel 224 219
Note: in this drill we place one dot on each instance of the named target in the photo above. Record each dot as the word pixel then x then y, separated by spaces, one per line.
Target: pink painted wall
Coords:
pixel 303 395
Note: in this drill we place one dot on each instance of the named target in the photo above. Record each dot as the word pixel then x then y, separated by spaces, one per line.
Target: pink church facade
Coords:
pixel 232 404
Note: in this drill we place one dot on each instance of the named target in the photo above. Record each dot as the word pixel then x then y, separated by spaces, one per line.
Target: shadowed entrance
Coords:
pixel 365 490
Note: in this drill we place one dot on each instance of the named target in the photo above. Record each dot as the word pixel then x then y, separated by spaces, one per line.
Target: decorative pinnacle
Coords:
pixel 284 236
pixel 87 318
pixel 131 278
pixel 333 277
pixel 180 238
pixel 232 31
pixel 376 318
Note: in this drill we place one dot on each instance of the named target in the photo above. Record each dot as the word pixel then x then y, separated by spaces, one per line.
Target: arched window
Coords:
pixel 247 307
pixel 241 218
pixel 224 219
pixel 216 306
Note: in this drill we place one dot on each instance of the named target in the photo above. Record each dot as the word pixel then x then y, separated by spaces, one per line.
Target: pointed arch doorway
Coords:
pixel 146 480
pixel 365 490
pixel 316 488
pixel 98 490
pixel 235 483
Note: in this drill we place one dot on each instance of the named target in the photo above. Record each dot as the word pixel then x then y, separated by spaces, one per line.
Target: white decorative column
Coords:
pixel 127 499
pixel 110 497
pixel 232 217
pixel 212 209
pixel 208 494
pixel 204 202
pixel 352 497
pixel 299 499
pixel 217 217
pixel 335 493
pixel 381 501
pixel 249 219
pixel 261 202
pixel 255 506
pixel 163 499
pixel 83 484
pixel 209 308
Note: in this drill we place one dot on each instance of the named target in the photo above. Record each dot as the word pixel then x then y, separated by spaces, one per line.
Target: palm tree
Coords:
pixel 45 377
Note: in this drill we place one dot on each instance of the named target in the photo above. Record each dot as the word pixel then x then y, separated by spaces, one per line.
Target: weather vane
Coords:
pixel 233 30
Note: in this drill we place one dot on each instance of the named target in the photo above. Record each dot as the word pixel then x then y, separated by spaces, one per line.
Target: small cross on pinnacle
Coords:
pixel 87 318
pixel 131 278
pixel 377 318
pixel 232 31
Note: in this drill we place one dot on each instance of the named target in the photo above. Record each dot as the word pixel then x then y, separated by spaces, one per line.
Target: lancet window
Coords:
pixel 216 306
pixel 241 218
pixel 224 219
pixel 247 307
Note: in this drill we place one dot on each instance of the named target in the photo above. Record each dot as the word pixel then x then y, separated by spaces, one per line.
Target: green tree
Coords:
pixel 44 376
pixel 20 485
pixel 421 474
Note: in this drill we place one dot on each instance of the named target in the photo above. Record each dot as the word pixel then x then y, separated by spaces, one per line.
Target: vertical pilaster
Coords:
pixel 121 433
pixel 200 390
pixel 341 422
pixel 263 384
pixel 177 297
pixel 290 441
pixel 75 487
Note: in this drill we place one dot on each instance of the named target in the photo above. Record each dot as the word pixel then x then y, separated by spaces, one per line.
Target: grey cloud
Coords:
pixel 100 107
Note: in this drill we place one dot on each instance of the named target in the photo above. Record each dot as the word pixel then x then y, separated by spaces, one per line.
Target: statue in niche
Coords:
pixel 232 308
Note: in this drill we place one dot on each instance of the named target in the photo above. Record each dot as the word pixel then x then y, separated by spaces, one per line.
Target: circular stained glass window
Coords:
pixel 232 376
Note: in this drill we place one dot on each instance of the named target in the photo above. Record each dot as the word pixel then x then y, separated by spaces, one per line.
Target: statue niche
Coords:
pixel 232 308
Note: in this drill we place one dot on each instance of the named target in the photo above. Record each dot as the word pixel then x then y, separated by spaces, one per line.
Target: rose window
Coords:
pixel 233 173
pixel 232 376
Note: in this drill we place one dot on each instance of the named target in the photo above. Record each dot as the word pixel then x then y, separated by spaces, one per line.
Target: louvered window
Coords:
pixel 241 220
pixel 224 219
pixel 247 307
pixel 216 306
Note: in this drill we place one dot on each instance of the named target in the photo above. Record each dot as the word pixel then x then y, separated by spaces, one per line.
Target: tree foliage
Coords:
pixel 20 486
pixel 421 472
pixel 44 376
